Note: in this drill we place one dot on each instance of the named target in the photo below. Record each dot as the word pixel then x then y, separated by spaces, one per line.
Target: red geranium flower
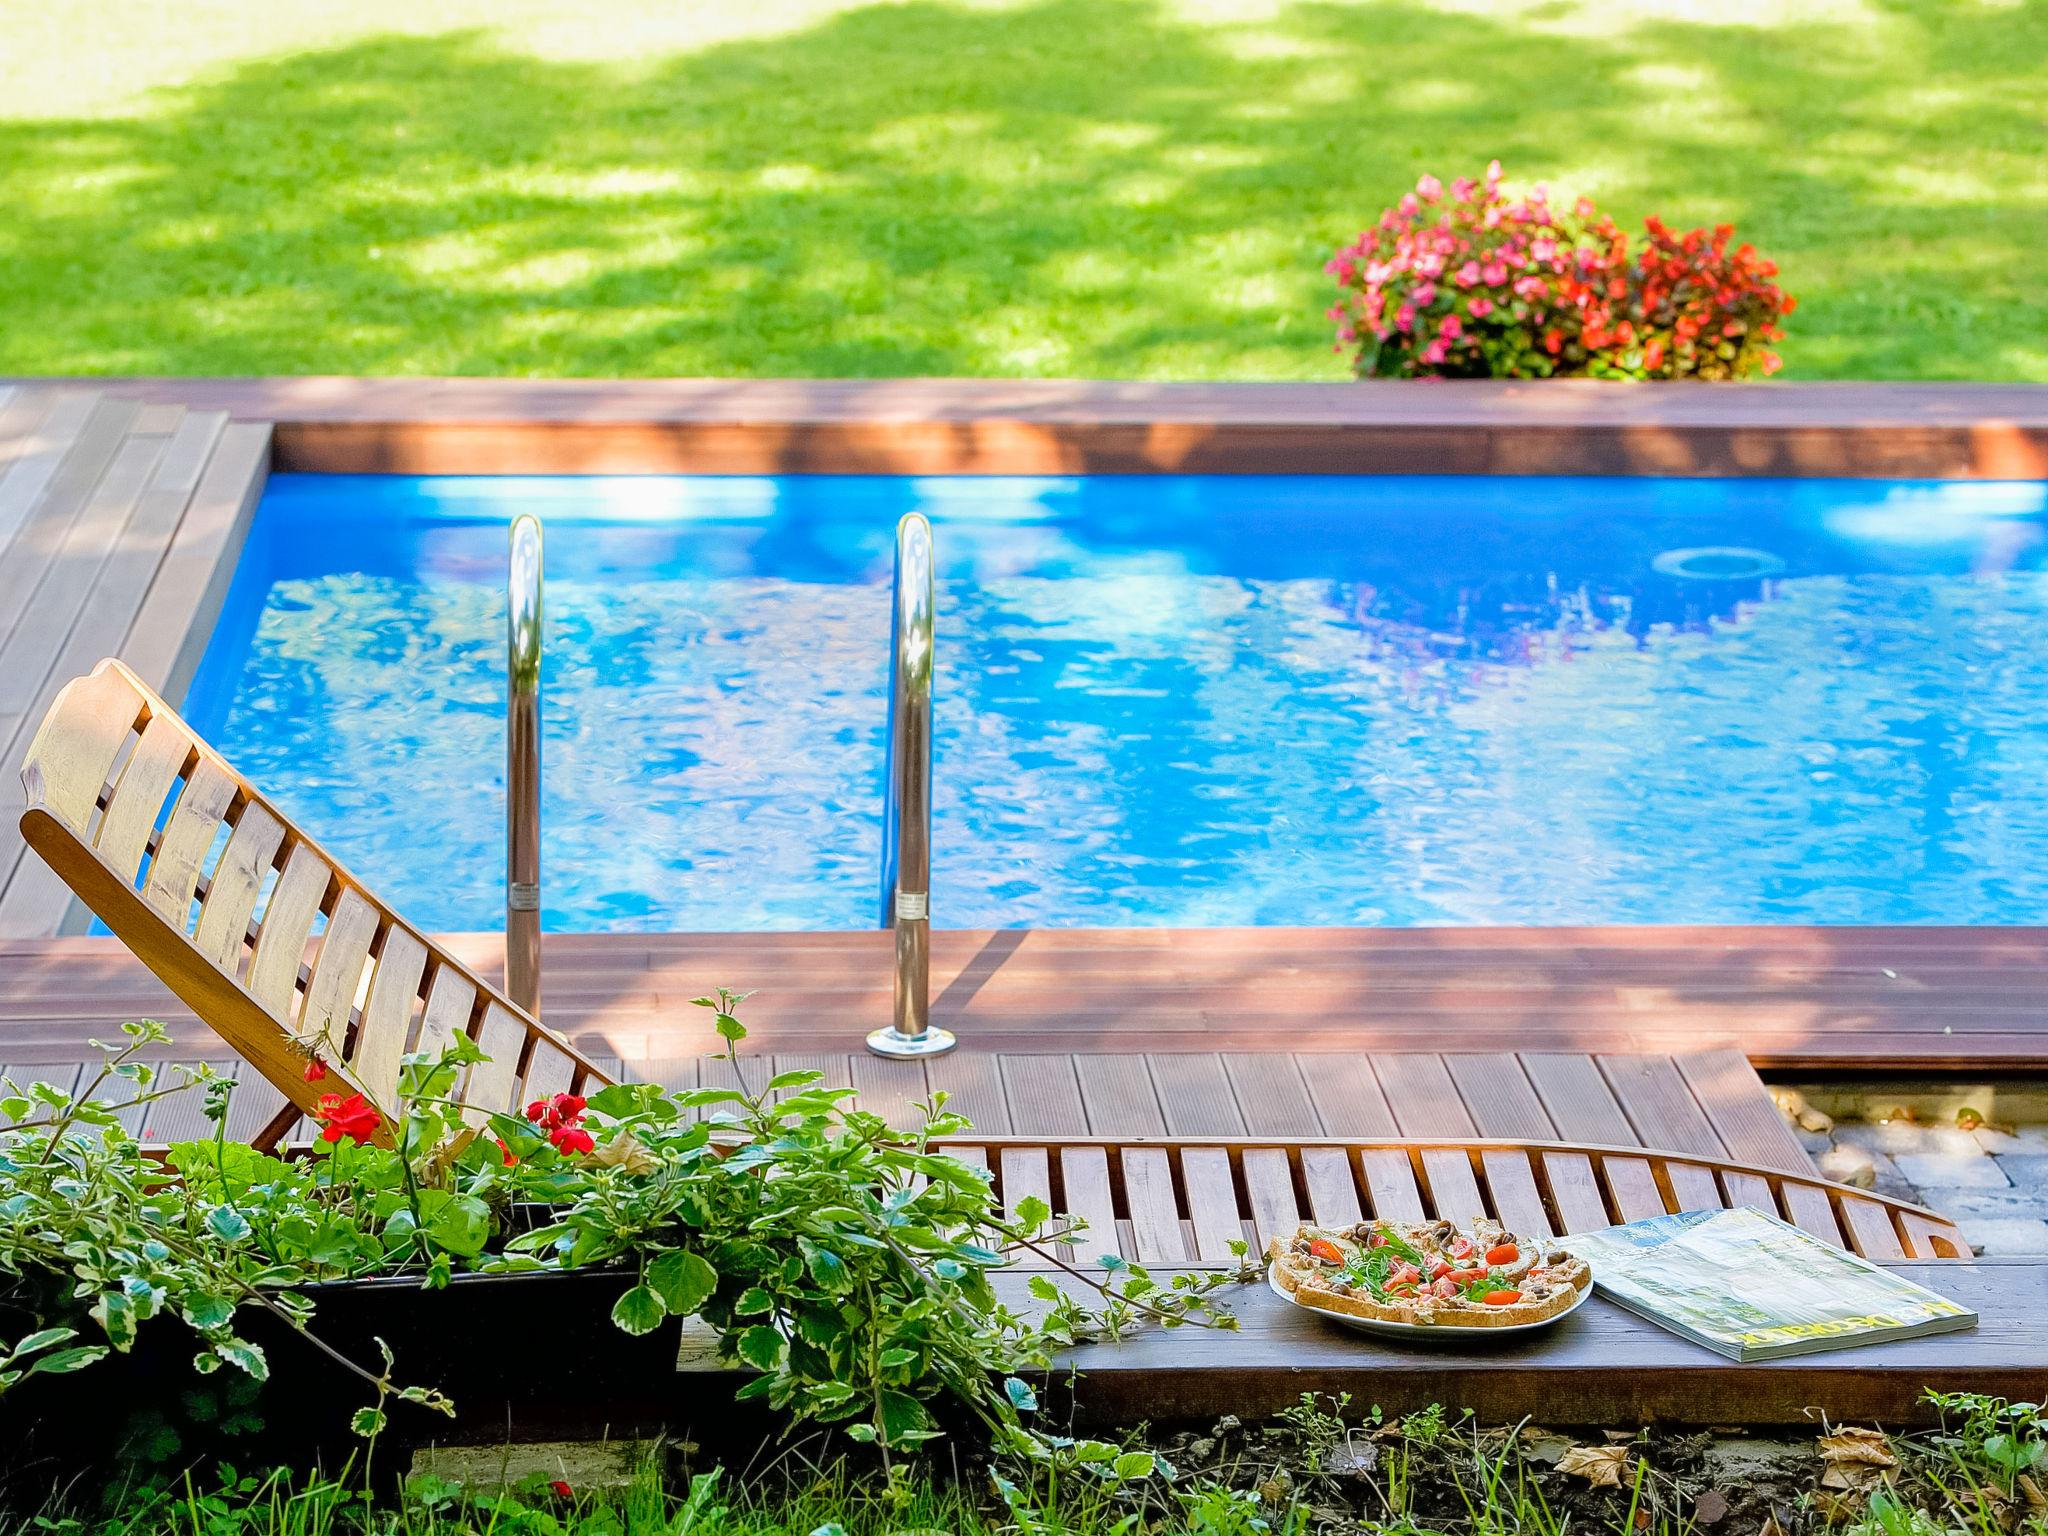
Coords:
pixel 352 1117
pixel 505 1152
pixel 571 1138
pixel 556 1114
pixel 561 1489
pixel 316 1069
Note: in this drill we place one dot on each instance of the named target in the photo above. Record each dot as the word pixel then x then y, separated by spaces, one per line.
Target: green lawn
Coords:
pixel 1117 188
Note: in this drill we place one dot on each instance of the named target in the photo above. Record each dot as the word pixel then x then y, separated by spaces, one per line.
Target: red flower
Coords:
pixel 316 1069
pixel 352 1117
pixel 553 1115
pixel 505 1152
pixel 570 1139
pixel 561 1489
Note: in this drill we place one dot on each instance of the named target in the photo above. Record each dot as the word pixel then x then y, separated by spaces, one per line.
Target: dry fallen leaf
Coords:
pixel 2031 1492
pixel 1851 1446
pixel 1710 1508
pixel 1600 1465
pixel 1770 1527
pixel 625 1152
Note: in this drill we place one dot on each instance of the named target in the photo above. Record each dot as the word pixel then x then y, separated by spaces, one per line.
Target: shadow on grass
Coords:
pixel 1077 187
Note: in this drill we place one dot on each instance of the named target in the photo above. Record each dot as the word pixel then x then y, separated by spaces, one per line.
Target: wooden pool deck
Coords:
pixel 120 523
pixel 123 506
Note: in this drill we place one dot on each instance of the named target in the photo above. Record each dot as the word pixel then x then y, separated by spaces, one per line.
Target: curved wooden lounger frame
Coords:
pixel 1183 1201
pixel 260 931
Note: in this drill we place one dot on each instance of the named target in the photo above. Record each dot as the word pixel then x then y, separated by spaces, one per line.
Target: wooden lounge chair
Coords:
pixel 255 927
pixel 1181 1202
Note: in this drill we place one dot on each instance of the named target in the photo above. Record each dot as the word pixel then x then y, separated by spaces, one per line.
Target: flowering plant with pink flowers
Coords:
pixel 1473 281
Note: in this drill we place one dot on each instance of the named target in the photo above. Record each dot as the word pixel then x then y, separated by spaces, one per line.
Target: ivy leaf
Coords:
pixel 904 1420
pixel 639 1311
pixel 1032 1212
pixel 64 1361
pixel 1022 1398
pixel 43 1339
pixel 116 1315
pixel 245 1357
pixel 227 1224
pixel 761 1347
pixel 754 1301
pixel 205 1311
pixel 684 1281
pixel 1132 1465
pixel 826 1267
pixel 367 1422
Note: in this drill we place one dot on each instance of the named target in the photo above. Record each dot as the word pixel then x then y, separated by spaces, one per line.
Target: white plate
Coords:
pixel 1437 1333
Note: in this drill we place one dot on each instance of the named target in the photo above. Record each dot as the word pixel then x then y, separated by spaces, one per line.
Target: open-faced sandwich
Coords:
pixel 1428 1272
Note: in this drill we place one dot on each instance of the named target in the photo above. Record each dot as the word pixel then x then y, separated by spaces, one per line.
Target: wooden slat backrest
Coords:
pixel 251 923
pixel 1182 1200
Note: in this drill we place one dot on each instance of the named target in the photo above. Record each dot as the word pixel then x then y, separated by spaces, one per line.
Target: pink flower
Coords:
pixel 1463 188
pixel 1495 272
pixel 1468 274
pixel 1436 351
pixel 1404 318
pixel 1425 295
pixel 1482 306
pixel 1430 188
pixel 1543 249
pixel 1408 205
pixel 1452 328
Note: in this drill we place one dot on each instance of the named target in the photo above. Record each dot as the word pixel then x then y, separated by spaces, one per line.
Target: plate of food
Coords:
pixel 1408 1279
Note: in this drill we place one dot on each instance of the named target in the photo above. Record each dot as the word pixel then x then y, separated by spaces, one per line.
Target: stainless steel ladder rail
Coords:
pixel 522 766
pixel 907 802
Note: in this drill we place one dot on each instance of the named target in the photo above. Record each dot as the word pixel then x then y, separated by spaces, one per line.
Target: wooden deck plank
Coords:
pixel 1211 1203
pixel 170 628
pixel 1499 1097
pixel 891 1089
pixel 39 540
pixel 1117 1093
pixel 38 455
pixel 1327 1173
pixel 1512 1179
pixel 1347 1095
pixel 1155 1215
pixel 1602 1365
pixel 1084 1177
pixel 1423 1097
pixel 1575 1094
pixel 1194 1092
pixel 973 1086
pixel 1733 1099
pixel 1660 1105
pixel 1911 430
pixel 1269 1191
pixel 1044 1095
pixel 1271 1095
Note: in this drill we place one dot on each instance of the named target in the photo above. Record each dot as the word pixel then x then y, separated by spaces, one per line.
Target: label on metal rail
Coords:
pixel 522 896
pixel 912 906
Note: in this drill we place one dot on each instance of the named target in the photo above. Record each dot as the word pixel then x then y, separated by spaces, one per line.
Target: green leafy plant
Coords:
pixel 846 1264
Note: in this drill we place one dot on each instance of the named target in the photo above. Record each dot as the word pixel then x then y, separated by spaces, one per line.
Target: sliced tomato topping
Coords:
pixel 1438 1270
pixel 1501 1298
pixel 1322 1248
pixel 1506 1253
pixel 1462 1248
pixel 1404 1274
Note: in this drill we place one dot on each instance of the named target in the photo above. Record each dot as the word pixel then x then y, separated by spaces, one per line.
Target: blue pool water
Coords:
pixel 1186 700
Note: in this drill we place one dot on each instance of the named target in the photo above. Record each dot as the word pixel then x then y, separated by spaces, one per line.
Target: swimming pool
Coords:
pixel 1170 699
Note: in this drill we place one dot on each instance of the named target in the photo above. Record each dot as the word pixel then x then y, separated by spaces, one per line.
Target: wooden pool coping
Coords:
pixel 994 426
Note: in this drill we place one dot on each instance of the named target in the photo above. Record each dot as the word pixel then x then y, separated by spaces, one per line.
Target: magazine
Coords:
pixel 1751 1287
